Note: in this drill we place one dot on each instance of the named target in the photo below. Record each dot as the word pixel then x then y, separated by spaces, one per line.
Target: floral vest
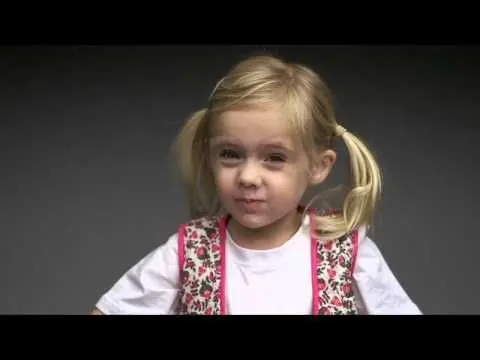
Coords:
pixel 202 270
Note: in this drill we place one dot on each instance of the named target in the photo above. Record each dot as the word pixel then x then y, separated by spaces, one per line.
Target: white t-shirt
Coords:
pixel 260 282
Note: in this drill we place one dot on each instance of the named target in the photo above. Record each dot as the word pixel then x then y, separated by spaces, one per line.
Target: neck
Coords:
pixel 267 237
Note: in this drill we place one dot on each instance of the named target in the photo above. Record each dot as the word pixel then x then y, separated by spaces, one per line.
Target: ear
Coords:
pixel 321 166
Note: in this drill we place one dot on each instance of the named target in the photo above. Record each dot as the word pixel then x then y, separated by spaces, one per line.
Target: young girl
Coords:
pixel 266 137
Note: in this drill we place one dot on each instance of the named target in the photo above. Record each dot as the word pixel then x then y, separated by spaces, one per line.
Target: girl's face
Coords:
pixel 261 172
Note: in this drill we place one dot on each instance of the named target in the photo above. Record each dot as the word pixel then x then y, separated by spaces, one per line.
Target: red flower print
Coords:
pixel 206 294
pixel 336 301
pixel 200 252
pixel 322 285
pixel 331 273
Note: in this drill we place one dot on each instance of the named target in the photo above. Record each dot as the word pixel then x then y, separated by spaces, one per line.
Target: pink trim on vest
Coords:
pixel 355 250
pixel 313 236
pixel 223 267
pixel 181 249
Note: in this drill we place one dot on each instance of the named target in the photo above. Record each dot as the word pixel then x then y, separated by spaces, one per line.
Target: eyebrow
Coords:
pixel 226 140
pixel 223 140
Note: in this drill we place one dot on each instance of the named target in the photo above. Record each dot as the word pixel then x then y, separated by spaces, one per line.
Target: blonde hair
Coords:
pixel 266 80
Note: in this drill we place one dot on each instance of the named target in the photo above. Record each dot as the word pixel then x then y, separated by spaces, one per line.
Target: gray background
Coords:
pixel 86 188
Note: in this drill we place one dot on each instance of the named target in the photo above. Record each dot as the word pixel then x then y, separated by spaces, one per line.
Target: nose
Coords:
pixel 249 175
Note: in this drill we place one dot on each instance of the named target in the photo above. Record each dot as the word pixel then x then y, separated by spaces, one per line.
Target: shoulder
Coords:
pixel 149 286
pixel 379 288
pixel 201 223
pixel 369 259
pixel 368 253
pixel 200 229
pixel 162 260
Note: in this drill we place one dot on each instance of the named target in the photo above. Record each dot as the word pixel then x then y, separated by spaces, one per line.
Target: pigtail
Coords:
pixel 366 183
pixel 362 196
pixel 190 151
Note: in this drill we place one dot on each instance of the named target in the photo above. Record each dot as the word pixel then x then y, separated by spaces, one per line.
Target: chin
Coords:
pixel 252 221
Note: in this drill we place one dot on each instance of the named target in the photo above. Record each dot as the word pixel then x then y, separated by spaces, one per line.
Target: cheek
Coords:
pixel 291 184
pixel 224 178
pixel 295 174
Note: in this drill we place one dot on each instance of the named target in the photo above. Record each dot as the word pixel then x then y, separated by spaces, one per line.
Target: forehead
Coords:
pixel 253 126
